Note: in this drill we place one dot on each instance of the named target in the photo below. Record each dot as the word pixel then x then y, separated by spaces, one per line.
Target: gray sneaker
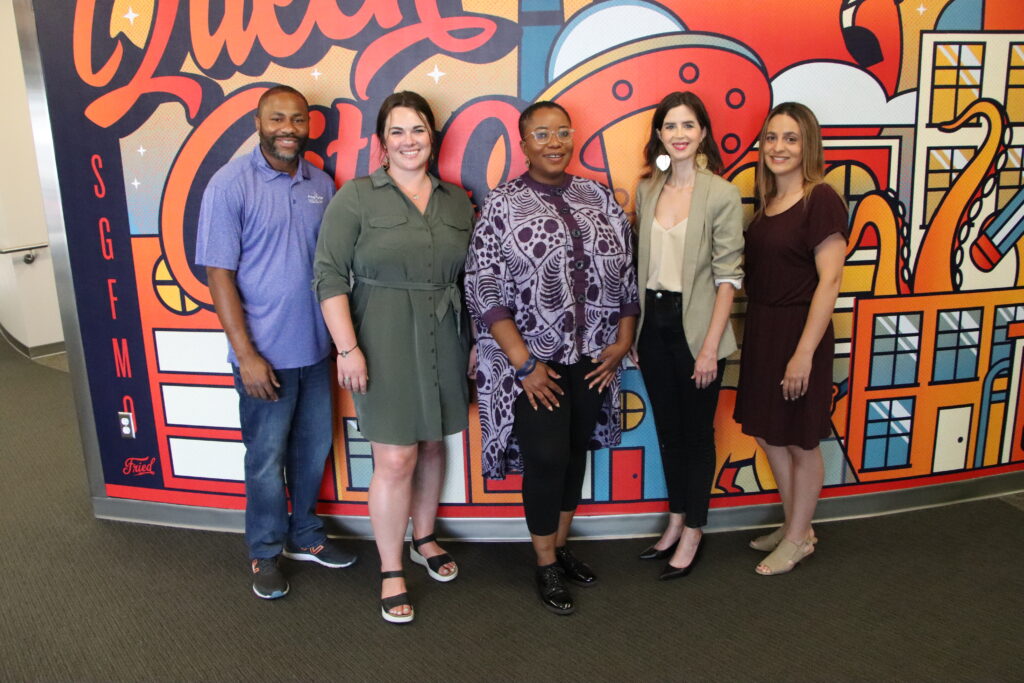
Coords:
pixel 327 552
pixel 267 580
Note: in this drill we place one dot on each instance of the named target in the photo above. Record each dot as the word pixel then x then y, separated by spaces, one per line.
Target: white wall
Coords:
pixel 28 293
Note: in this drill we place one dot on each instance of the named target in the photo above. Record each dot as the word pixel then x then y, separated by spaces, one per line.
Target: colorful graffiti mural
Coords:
pixel 922 109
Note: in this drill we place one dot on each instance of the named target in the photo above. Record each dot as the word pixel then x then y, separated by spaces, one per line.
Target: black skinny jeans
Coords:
pixel 683 414
pixel 554 446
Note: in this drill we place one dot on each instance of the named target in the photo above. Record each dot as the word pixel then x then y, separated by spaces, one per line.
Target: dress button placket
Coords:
pixel 577 261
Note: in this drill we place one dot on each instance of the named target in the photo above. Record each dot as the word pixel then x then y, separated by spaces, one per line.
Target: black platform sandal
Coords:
pixel 433 564
pixel 389 603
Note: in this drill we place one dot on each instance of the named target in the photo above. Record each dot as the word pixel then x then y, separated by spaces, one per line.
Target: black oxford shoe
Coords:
pixel 577 572
pixel 553 592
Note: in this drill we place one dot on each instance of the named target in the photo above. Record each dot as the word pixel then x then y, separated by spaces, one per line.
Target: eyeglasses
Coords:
pixel 542 135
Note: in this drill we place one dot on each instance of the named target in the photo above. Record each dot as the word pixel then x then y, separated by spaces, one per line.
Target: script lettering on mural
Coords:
pixel 138 467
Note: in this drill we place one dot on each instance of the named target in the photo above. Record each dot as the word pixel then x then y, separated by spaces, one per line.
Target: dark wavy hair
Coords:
pixel 414 101
pixel 708 147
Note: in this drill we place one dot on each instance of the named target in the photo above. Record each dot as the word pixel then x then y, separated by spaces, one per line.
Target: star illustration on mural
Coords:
pixel 141 150
pixel 130 16
pixel 436 74
pixel 316 74
pixel 922 9
pixel 135 183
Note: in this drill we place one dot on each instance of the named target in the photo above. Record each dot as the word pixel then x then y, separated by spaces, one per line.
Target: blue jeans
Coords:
pixel 287 437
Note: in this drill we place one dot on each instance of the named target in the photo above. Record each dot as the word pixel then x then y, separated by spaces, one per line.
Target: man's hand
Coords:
pixel 258 377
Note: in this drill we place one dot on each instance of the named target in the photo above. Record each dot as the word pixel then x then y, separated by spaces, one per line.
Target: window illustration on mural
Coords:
pixel 1015 84
pixel 360 457
pixel 895 348
pixel 944 166
pixel 887 435
pixel 957 79
pixel 634 409
pixel 1002 343
pixel 956 345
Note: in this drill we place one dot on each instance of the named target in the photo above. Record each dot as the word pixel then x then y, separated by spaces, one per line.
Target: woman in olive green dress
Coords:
pixel 388 263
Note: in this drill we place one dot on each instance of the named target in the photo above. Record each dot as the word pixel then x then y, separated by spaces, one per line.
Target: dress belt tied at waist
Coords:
pixel 450 297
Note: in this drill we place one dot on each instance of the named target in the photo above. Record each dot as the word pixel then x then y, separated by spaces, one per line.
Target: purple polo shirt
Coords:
pixel 263 224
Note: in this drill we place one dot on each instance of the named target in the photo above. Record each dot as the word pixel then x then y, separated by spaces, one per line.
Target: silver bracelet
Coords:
pixel 344 354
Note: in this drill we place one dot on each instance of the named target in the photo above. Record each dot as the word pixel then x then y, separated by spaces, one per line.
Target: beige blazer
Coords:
pixel 713 250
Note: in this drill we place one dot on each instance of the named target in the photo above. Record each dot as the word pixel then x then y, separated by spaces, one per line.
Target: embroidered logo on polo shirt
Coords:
pixel 315 198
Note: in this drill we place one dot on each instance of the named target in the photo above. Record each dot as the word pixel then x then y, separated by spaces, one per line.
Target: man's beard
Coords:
pixel 267 143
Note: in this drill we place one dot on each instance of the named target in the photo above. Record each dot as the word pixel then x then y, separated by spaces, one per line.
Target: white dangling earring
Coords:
pixel 663 162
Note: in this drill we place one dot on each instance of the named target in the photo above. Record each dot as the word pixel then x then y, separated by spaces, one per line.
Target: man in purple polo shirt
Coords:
pixel 258 226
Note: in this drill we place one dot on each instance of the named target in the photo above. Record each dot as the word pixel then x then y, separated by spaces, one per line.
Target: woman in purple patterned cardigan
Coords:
pixel 552 288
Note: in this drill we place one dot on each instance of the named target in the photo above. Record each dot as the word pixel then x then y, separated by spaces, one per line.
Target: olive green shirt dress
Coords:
pixel 402 270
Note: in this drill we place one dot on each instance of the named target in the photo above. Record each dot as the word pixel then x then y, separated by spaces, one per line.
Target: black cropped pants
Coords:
pixel 683 414
pixel 554 446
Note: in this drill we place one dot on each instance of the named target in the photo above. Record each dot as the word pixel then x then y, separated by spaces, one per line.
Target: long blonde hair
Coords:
pixel 813 152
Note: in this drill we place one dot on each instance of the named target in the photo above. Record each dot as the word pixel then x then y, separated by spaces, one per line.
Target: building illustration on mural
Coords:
pixel 935 373
pixel 923 117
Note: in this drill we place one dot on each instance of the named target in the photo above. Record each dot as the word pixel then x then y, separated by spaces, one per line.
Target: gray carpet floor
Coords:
pixel 929 595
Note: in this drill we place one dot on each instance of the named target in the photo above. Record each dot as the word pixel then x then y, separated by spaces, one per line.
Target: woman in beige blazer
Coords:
pixel 690 246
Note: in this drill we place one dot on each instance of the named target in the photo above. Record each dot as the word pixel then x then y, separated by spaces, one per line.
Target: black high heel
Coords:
pixel 653 553
pixel 671 572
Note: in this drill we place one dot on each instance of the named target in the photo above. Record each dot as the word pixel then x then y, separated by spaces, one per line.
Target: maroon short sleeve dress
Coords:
pixel 781 279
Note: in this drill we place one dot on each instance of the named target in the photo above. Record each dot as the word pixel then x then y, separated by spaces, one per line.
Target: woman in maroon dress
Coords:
pixel 795 248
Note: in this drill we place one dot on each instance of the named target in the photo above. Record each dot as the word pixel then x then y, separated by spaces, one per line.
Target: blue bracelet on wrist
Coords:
pixel 524 371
